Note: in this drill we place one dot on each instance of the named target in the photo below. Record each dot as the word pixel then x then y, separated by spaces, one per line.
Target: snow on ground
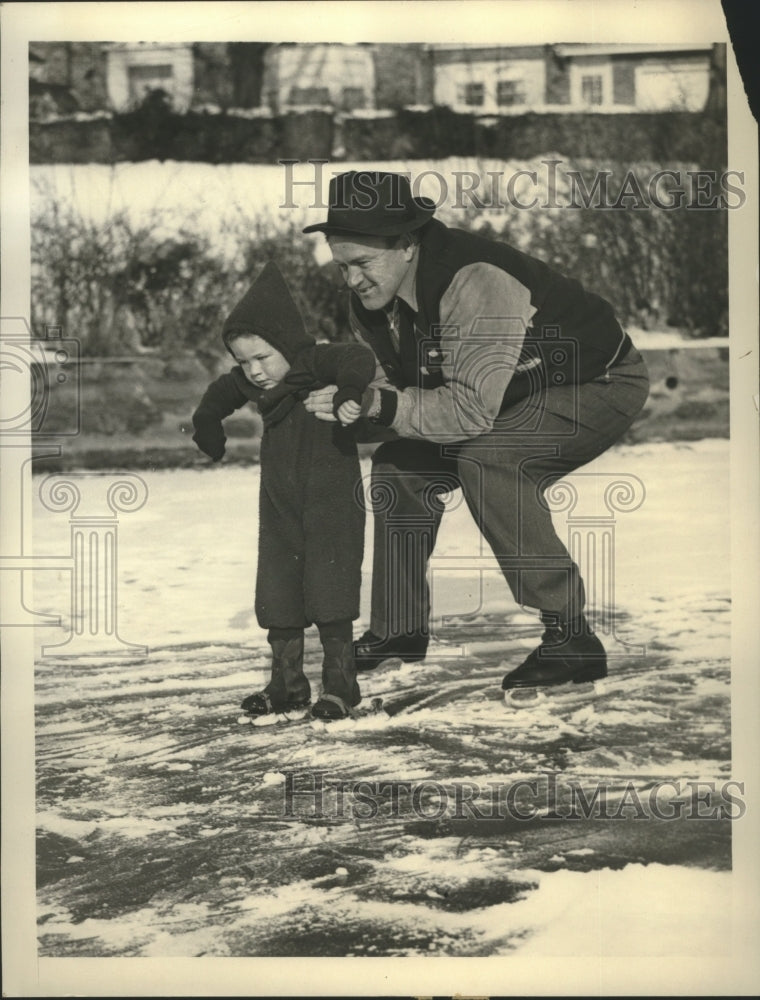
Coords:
pixel 187 558
pixel 165 828
pixel 574 914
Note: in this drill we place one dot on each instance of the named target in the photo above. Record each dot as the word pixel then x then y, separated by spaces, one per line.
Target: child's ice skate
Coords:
pixel 340 692
pixel 287 696
pixel 258 704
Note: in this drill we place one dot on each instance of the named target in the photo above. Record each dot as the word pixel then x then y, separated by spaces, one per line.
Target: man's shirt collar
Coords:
pixel 407 290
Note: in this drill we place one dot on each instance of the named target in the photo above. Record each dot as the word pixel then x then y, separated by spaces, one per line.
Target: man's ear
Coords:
pixel 410 248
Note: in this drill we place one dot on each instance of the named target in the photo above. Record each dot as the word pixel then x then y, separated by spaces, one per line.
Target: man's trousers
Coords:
pixel 503 475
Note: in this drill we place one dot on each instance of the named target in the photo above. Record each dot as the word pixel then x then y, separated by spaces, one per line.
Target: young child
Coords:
pixel 311 523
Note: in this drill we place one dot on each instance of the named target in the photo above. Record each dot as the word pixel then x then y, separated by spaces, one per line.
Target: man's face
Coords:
pixel 370 268
pixel 262 364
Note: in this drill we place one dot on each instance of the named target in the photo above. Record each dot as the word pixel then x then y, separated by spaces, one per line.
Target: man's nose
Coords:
pixel 353 276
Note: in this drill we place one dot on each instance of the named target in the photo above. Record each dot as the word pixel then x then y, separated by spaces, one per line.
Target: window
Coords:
pixel 591 83
pixel 143 79
pixel 322 75
pixel 510 92
pixel 309 95
pixel 491 84
pixel 473 94
pixel 592 89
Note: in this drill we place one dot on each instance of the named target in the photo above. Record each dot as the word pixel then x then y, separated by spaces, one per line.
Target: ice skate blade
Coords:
pixel 274 718
pixel 367 665
pixel 533 697
pixel 524 697
pixel 375 709
pixel 587 676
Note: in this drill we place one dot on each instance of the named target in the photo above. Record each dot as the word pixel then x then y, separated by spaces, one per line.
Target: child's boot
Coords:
pixel 288 689
pixel 340 690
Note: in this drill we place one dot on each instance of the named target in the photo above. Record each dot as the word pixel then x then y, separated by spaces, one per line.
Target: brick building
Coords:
pixel 347 78
pixel 86 76
pixel 66 77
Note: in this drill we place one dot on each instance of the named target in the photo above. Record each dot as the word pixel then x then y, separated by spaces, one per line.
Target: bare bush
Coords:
pixel 126 289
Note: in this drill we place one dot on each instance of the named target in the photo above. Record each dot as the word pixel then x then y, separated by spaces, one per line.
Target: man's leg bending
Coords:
pixel 408 478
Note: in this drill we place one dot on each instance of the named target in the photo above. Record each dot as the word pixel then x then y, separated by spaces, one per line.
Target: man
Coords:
pixel 495 373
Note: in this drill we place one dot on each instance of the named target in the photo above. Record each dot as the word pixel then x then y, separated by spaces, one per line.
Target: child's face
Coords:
pixel 262 364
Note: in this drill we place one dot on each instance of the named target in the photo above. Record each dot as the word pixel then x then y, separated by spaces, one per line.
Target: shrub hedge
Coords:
pixel 154 131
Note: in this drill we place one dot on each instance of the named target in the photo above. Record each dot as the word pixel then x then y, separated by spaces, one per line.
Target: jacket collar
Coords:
pixel 407 290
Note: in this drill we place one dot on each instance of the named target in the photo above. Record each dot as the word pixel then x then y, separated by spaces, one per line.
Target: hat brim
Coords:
pixel 425 207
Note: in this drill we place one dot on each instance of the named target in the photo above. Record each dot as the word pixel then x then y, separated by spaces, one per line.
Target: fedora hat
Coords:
pixel 373 203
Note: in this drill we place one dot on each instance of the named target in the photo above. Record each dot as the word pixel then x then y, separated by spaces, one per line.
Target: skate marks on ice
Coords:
pixel 163 827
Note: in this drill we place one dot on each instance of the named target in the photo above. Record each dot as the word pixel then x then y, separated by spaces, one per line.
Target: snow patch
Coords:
pixel 639 910
pixel 75 829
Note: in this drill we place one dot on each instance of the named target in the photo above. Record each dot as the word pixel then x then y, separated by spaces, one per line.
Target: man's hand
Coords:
pixel 320 403
pixel 349 412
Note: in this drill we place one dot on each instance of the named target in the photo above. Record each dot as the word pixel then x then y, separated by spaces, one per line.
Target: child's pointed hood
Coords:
pixel 268 310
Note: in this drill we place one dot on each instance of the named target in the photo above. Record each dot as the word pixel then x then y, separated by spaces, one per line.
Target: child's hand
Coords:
pixel 349 412
pixel 211 439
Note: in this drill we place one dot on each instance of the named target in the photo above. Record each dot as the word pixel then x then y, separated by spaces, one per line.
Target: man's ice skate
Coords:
pixel 370 651
pixel 569 652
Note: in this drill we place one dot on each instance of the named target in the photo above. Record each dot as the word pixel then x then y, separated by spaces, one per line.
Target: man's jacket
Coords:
pixel 482 327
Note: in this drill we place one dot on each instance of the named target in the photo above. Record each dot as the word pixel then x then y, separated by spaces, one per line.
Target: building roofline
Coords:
pixel 578 48
pixel 572 49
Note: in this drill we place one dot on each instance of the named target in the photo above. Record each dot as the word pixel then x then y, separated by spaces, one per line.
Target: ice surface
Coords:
pixel 178 813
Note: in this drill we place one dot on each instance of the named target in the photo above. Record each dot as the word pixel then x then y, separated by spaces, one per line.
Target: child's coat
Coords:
pixel 311 513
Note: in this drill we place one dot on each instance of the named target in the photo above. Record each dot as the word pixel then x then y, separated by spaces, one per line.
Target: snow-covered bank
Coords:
pixel 217 198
